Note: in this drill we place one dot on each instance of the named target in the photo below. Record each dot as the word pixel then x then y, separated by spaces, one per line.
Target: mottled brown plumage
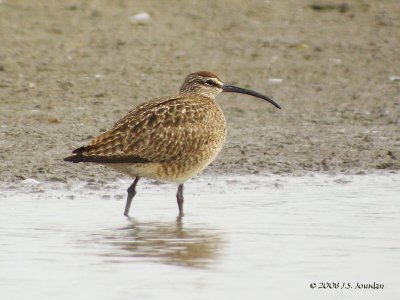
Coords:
pixel 166 139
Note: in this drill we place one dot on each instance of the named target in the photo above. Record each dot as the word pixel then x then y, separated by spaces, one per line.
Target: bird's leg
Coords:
pixel 179 199
pixel 131 194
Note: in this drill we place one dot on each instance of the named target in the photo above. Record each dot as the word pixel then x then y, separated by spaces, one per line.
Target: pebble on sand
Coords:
pixel 275 80
pixel 140 18
pixel 30 182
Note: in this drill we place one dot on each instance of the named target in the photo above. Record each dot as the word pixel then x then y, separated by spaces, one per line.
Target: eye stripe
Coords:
pixel 215 83
pixel 210 82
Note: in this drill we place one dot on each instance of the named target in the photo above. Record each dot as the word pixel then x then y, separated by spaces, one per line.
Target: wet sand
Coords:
pixel 69 70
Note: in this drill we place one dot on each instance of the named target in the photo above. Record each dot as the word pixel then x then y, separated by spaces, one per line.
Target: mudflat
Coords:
pixel 69 70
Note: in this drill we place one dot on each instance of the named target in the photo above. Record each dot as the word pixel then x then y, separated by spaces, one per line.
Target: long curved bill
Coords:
pixel 235 89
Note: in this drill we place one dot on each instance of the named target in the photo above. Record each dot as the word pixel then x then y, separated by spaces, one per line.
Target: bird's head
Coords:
pixel 208 84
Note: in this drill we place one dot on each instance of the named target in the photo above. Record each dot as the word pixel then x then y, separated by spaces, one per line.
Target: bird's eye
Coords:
pixel 210 82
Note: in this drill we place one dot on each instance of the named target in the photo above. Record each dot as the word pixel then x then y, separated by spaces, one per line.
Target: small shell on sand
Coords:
pixel 140 18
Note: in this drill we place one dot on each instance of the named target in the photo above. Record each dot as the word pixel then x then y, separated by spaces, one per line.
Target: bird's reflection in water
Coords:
pixel 168 243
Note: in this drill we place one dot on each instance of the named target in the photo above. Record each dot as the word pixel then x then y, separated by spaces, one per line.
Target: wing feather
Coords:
pixel 161 130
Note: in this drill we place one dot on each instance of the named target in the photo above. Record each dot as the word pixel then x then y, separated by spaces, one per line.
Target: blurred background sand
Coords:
pixel 70 69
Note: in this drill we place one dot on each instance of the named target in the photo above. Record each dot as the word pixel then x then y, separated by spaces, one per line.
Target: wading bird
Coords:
pixel 166 139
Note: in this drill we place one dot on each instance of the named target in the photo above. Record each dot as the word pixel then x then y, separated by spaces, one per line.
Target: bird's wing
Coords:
pixel 161 130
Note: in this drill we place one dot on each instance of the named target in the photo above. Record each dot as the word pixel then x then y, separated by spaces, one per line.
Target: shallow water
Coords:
pixel 241 238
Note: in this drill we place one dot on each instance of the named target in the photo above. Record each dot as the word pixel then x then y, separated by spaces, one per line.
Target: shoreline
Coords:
pixel 216 183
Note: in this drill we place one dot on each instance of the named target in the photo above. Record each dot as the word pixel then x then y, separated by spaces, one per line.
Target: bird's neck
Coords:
pixel 189 93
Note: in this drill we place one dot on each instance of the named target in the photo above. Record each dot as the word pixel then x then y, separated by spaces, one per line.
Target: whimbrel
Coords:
pixel 166 139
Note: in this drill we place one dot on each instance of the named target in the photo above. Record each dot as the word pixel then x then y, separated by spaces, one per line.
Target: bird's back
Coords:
pixel 179 135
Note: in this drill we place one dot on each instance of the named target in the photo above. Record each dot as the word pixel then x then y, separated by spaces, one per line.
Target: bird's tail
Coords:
pixel 106 159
